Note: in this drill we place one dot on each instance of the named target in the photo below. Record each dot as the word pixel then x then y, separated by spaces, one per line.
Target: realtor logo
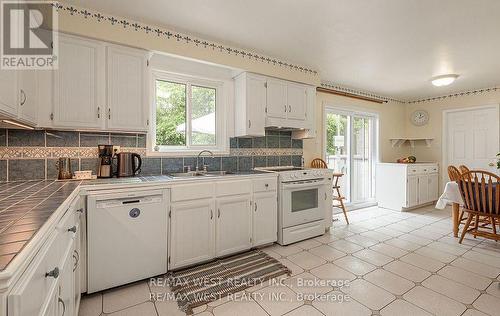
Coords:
pixel 29 37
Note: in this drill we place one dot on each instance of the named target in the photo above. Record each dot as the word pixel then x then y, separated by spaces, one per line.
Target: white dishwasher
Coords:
pixel 126 236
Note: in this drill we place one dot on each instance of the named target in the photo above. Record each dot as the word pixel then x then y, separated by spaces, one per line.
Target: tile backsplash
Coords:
pixel 32 154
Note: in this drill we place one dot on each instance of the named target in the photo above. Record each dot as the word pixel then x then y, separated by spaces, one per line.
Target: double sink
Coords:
pixel 194 174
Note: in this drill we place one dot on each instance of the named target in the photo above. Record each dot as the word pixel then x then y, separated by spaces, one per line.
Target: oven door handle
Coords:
pixel 305 185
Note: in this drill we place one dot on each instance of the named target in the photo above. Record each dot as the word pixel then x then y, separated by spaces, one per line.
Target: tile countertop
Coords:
pixel 25 206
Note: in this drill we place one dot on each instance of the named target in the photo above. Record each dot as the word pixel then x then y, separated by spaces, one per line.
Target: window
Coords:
pixel 188 114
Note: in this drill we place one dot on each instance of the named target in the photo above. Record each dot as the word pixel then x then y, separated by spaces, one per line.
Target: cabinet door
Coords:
pixel 276 99
pixel 265 218
pixel 412 191
pixel 78 84
pixel 77 261
pixel 66 298
pixel 433 189
pixel 9 91
pixel 297 100
pixel 28 89
pixel 255 107
pixel 423 189
pixel 126 102
pixel 192 232
pixel 233 225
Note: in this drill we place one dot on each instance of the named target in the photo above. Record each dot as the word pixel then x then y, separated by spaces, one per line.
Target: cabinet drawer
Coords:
pixel 31 293
pixel 265 185
pixel 413 170
pixel 186 192
pixel 233 187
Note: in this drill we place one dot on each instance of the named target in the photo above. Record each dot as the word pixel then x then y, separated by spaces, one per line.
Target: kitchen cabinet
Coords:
pixel 265 218
pixel 192 229
pixel 269 102
pixel 99 86
pixel 233 225
pixel 276 98
pixel 296 99
pixel 126 92
pixel 250 105
pixel 406 186
pixel 79 84
pixel 9 91
pixel 28 98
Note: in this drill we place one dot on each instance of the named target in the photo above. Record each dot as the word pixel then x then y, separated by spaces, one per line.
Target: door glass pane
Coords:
pixel 203 116
pixel 337 148
pixel 304 200
pixel 362 159
pixel 170 113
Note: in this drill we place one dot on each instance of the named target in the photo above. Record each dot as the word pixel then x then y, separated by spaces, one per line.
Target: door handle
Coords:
pixel 491 164
pixel 249 123
pixel 109 113
pixel 53 273
pixel 285 108
pixel 72 229
pixel 325 196
pixel 289 108
pixel 255 206
pixel 23 97
pixel 211 214
pixel 218 213
pixel 98 112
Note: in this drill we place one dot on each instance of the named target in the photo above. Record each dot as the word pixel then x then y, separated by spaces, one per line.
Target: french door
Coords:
pixel 351 148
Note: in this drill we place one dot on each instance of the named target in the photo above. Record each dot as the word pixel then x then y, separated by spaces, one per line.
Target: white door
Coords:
pixel 28 89
pixel 412 191
pixel 472 138
pixel 297 100
pixel 126 106
pixel 433 189
pixel 423 189
pixel 256 104
pixel 192 232
pixel 9 91
pixel 276 99
pixel 78 84
pixel 233 226
pixel 265 218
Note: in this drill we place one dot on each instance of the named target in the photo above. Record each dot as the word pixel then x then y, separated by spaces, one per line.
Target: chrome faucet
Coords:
pixel 198 159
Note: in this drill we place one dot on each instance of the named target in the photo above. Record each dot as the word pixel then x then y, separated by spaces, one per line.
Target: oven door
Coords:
pixel 303 202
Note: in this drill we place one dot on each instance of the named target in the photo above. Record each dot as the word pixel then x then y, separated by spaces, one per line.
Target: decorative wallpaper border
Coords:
pixel 179 37
pixel 455 95
pixel 339 88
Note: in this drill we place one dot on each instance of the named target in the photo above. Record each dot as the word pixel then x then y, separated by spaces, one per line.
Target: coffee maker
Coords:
pixel 105 168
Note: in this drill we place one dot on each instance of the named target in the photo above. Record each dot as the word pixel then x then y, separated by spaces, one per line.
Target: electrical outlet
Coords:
pixel 116 149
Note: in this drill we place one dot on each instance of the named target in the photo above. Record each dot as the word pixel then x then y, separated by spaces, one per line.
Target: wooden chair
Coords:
pixel 453 173
pixel 481 193
pixel 463 169
pixel 319 163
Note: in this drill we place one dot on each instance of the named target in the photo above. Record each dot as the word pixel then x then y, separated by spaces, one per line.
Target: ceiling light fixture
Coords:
pixel 444 80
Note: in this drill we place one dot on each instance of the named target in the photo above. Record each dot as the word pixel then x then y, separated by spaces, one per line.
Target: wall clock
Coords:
pixel 419 117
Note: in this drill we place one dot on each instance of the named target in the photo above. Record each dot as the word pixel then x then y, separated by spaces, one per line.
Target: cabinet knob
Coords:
pixel 249 123
pixel 266 185
pixel 72 229
pixel 53 274
pixel 80 210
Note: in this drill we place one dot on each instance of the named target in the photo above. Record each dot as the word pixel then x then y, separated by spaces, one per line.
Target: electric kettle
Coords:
pixel 128 164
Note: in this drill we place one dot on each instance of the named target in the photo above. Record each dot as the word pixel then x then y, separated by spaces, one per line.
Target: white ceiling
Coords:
pixel 388 47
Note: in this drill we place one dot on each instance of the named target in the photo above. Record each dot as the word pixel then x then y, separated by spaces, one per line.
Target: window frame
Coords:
pixel 221 146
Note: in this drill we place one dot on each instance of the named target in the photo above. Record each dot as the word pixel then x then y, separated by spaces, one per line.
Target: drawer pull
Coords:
pixel 76 256
pixel 266 185
pixel 80 210
pixel 53 274
pixel 72 229
pixel 255 206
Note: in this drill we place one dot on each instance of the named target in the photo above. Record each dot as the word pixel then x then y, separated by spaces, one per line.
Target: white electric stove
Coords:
pixel 304 202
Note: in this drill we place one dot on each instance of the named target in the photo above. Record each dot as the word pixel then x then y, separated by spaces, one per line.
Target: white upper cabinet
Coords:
pixel 250 105
pixel 28 96
pixel 276 99
pixel 78 84
pixel 126 97
pixel 268 102
pixel 8 91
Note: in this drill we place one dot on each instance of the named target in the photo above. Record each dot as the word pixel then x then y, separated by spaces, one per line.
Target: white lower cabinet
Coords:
pixel 405 186
pixel 265 218
pixel 233 225
pixel 239 215
pixel 191 232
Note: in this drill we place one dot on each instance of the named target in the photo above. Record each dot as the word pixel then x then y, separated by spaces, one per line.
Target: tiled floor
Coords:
pixel 393 264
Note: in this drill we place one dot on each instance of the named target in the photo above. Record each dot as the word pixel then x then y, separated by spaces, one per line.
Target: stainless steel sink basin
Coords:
pixel 194 174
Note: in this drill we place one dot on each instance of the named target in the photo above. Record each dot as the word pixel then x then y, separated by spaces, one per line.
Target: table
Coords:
pixel 452 195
